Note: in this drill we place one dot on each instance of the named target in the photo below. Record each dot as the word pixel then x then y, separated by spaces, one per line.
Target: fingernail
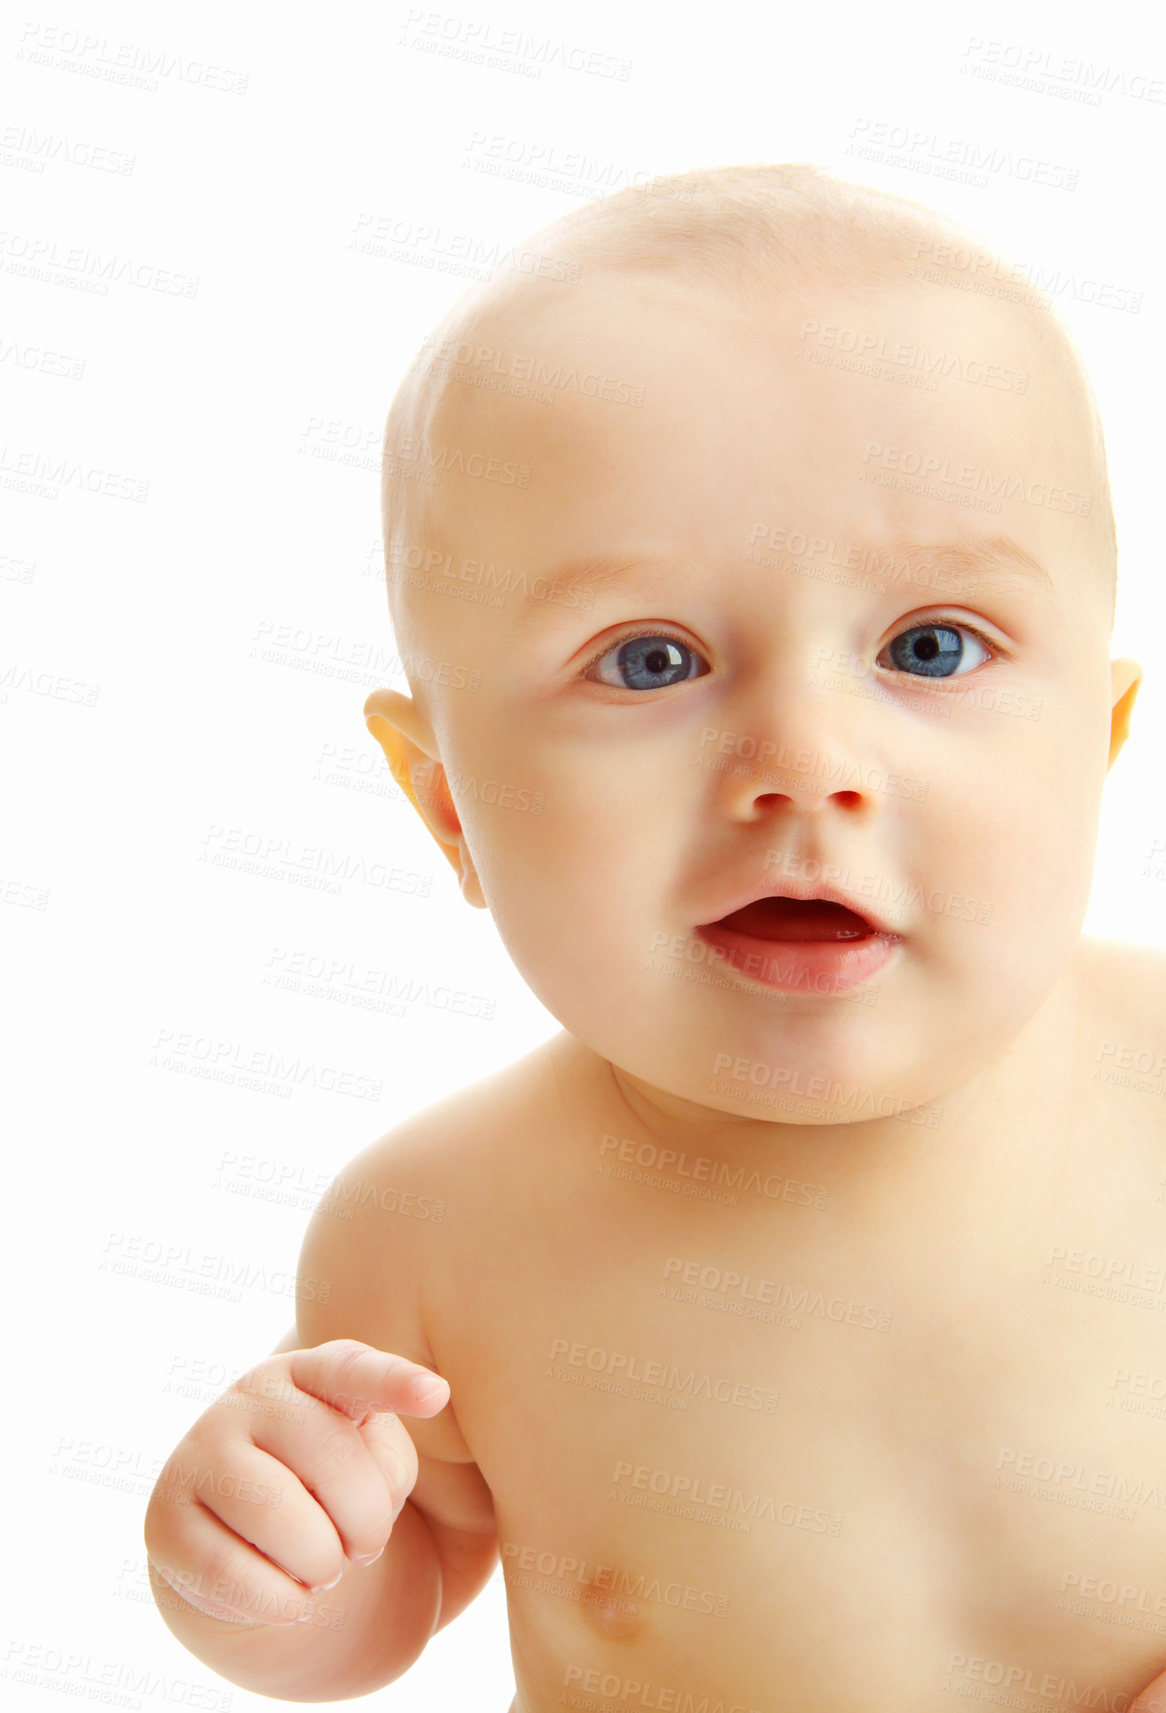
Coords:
pixel 323 1587
pixel 424 1393
pixel 371 1559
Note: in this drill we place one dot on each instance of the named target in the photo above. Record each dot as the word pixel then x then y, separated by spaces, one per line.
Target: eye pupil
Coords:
pixel 649 662
pixel 934 650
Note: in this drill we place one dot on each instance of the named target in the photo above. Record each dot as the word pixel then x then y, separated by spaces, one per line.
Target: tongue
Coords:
pixel 797 919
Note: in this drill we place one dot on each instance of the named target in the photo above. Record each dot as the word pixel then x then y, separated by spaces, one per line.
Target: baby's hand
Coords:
pixel 296 1471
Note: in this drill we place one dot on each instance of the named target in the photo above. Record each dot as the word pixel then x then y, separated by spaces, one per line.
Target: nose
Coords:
pixel 793 789
pixel 798 752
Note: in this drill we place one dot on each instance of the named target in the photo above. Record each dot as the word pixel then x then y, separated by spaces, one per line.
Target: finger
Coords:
pixel 360 1381
pixel 211 1569
pixel 263 1501
pixel 332 1465
pixel 391 1447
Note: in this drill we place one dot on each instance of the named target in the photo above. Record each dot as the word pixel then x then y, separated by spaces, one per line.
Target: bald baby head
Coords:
pixel 756 239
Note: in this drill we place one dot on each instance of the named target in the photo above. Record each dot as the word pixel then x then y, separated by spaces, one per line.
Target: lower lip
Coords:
pixel 804 966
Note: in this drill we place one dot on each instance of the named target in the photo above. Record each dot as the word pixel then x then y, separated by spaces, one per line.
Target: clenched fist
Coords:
pixel 299 1469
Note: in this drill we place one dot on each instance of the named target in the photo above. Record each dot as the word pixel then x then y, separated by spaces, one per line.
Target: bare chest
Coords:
pixel 739 1455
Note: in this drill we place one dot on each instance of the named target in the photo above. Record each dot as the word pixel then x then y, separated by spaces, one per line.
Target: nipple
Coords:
pixel 612 1615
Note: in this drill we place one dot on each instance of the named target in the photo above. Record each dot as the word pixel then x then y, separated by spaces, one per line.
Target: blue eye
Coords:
pixel 935 650
pixel 654 660
pixel 650 661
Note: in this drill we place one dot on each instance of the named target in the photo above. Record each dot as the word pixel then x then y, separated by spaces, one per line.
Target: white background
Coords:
pixel 119 934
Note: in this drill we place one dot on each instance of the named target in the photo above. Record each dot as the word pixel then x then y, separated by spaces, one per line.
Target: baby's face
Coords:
pixel 838 684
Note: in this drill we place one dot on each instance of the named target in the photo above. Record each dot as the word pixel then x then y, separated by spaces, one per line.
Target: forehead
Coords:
pixel 675 421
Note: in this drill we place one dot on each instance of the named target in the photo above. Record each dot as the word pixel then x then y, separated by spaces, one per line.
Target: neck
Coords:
pixel 1033 1074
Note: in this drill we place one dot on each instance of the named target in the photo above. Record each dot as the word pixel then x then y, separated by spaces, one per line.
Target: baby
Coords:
pixel 798 1308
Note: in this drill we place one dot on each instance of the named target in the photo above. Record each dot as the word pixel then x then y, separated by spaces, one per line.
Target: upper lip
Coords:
pixel 787 888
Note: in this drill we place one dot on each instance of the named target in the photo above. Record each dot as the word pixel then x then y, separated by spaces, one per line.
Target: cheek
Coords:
pixel 579 813
pixel 574 882
pixel 1013 858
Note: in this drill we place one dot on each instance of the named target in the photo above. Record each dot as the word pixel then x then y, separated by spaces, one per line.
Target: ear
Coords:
pixel 1127 676
pixel 404 733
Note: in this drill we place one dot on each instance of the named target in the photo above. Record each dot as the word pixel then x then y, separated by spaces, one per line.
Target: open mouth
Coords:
pixel 797 920
pixel 811 945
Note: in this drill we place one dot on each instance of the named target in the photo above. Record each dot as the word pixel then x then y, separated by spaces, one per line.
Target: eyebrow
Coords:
pixel 997 560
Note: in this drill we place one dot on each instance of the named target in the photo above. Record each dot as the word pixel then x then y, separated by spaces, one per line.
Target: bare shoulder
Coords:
pixel 393 1241
pixel 389 1238
pixel 1123 1041
pixel 1126 982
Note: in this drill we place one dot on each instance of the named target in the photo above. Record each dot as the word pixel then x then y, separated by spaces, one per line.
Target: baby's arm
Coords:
pixel 340 1469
